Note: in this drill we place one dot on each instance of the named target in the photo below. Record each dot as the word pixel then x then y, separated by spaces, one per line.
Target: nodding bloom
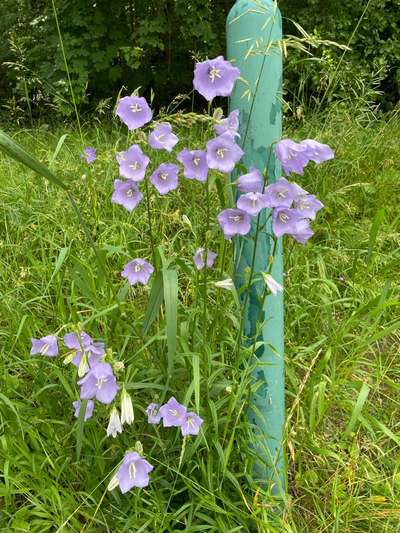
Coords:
pixel 215 77
pixel 191 424
pixel 291 222
pixel 272 284
pixel 162 138
pixel 165 178
pixel 234 222
pixel 133 163
pixel 90 155
pixel 302 232
pixel 127 414
pixel 280 194
pixel 99 383
pixel 199 258
pixel 134 111
pixel 114 425
pixel 223 153
pixel 45 346
pixel 229 125
pixel 252 202
pixel 127 194
pixel 293 156
pixel 172 413
pixel 82 343
pixel 194 164
pixel 226 284
pixel 138 271
pixel 307 204
pixel 316 151
pixel 251 182
pixel 134 472
pixel 153 413
pixel 89 409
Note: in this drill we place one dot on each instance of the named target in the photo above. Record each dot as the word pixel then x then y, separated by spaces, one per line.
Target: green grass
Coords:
pixel 342 344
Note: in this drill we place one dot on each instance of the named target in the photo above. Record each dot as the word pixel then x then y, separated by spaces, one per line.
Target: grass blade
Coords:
pixel 170 280
pixel 355 415
pixel 60 143
pixel 155 301
pixel 376 224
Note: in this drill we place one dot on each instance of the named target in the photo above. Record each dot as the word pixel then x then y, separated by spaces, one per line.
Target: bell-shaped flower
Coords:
pixel 133 163
pixel 293 156
pixel 172 413
pixel 114 425
pixel 134 111
pixel 200 259
pixel 127 194
pixel 307 205
pixel 194 164
pixel 215 77
pixel 191 424
pixel 229 125
pixel 99 383
pixel 153 413
pixel 45 346
pixel 234 222
pixel 90 155
pixel 127 414
pixel 316 151
pixel 285 221
pixel 252 202
pixel 302 232
pixel 162 138
pixel 89 409
pixel 137 271
pixel 251 182
pixel 280 194
pixel 82 343
pixel 226 284
pixel 272 284
pixel 133 472
pixel 223 153
pixel 165 178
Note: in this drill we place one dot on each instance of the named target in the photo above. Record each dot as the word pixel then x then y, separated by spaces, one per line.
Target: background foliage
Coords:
pixel 151 44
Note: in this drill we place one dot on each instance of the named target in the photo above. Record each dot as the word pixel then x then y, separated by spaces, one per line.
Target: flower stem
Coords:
pixel 149 220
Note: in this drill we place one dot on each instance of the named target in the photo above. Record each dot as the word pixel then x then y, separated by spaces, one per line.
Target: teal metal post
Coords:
pixel 254 28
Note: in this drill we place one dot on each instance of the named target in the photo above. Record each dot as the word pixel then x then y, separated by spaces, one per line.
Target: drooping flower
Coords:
pixel 199 258
pixel 134 472
pixel 272 284
pixel 90 155
pixel 89 409
pixel 307 205
pixel 172 413
pixel 252 202
pixel 226 284
pixel 127 414
pixel 234 222
pixel 302 232
pixel 114 425
pixel 133 163
pixel 134 111
pixel 137 271
pixel 45 346
pixel 251 182
pixel 194 164
pixel 293 156
pixel 191 424
pixel 162 138
pixel 153 413
pixel 99 383
pixel 317 152
pixel 229 125
pixel 215 77
pixel 223 153
pixel 82 343
pixel 165 178
pixel 280 194
pixel 285 221
pixel 127 194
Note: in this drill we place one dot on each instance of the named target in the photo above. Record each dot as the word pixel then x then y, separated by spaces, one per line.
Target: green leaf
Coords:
pixel 155 301
pixel 58 147
pixel 170 280
pixel 376 224
pixel 79 429
pixel 355 415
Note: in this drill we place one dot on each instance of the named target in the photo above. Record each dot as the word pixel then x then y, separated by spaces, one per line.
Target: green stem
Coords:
pixel 153 255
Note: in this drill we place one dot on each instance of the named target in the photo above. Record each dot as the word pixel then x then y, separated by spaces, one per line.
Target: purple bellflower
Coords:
pixel 234 222
pixel 133 163
pixel 90 155
pixel 165 178
pixel 99 383
pixel 280 194
pixel 199 258
pixel 173 413
pixel 307 205
pixel 153 413
pixel 45 346
pixel 252 202
pixel 191 424
pixel 302 232
pixel 215 77
pixel 89 409
pixel 194 164
pixel 127 194
pixel 251 182
pixel 293 156
pixel 134 111
pixel 223 153
pixel 162 138
pixel 134 472
pixel 285 221
pixel 137 271
pixel 95 350
pixel 229 125
pixel 317 152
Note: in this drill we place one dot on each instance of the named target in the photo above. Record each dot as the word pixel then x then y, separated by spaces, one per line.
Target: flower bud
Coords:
pixel 114 425
pixel 127 415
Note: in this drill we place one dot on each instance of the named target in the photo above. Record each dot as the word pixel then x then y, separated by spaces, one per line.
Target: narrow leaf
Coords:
pixel 355 415
pixel 170 280
pixel 155 301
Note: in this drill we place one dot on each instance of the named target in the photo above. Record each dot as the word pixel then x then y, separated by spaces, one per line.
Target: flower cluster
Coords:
pixel 174 414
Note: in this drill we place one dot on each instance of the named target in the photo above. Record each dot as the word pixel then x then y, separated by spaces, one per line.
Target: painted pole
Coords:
pixel 253 29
